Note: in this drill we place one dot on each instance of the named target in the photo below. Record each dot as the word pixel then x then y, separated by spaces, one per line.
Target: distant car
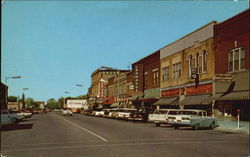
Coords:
pixel 5 117
pixel 125 113
pixel 35 111
pixel 99 113
pixel 136 116
pixel 67 112
pixel 192 118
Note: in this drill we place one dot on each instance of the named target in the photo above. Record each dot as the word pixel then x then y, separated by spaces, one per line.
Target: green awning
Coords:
pixel 167 101
pixel 237 95
pixel 196 100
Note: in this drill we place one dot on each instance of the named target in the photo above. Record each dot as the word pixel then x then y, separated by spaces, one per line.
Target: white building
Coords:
pixel 76 104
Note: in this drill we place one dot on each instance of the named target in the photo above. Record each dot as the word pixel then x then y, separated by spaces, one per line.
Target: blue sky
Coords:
pixel 54 45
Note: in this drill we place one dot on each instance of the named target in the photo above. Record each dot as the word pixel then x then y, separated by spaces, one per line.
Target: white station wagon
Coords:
pixel 159 116
pixel 191 118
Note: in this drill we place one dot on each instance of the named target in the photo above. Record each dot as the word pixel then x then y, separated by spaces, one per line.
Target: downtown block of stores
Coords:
pixel 218 52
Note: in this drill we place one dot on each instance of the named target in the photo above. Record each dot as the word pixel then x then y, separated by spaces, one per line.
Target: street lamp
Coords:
pixel 12 77
pixel 66 92
pixel 23 97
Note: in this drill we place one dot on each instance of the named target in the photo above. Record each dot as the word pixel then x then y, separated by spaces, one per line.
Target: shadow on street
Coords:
pixel 16 127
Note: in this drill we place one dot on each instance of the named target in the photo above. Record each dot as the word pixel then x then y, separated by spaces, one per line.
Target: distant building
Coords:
pixel 3 95
pixel 15 106
pixel 99 80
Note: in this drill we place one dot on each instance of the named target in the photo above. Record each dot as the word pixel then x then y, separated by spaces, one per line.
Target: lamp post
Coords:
pixel 66 92
pixel 11 77
pixel 23 97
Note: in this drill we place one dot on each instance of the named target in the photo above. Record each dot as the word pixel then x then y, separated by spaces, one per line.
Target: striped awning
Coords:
pixel 167 101
pixel 237 95
pixel 202 99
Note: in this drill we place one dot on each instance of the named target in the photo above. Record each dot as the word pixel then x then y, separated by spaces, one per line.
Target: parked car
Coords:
pixel 159 116
pixel 106 113
pixel 136 116
pixel 5 117
pixel 67 112
pixel 192 118
pixel 24 113
pixel 99 113
pixel 124 113
pixel 16 117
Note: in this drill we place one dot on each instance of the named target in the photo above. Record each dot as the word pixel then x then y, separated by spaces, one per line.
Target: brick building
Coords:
pixel 232 66
pixel 146 73
pixel 193 52
pixel 99 79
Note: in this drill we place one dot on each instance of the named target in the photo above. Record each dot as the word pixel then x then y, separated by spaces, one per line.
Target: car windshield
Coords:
pixel 188 113
pixel 172 112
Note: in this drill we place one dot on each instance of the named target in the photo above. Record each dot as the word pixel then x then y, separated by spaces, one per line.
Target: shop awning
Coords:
pixel 196 100
pixel 167 101
pixel 237 95
pixel 116 104
pixel 137 97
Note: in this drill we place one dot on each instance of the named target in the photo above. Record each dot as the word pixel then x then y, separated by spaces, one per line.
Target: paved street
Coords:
pixel 51 135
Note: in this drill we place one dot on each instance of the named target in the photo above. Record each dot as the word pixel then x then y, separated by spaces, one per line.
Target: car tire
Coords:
pixel 196 126
pixel 212 125
pixel 176 127
pixel 13 120
pixel 157 124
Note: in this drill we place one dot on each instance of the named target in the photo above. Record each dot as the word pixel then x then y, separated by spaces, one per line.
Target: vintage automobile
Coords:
pixel 99 113
pixel 125 113
pixel 191 118
pixel 16 116
pixel 159 116
pixel 67 112
pixel 136 116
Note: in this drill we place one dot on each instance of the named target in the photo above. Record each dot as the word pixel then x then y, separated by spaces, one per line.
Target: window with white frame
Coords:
pixel 177 70
pixel 190 65
pixel 236 59
pixel 165 74
pixel 204 61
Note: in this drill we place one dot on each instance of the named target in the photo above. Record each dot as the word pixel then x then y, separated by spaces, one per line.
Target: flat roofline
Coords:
pixel 176 40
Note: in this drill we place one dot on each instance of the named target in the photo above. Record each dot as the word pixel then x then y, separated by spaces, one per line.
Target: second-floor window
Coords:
pixel 165 74
pixel 155 77
pixel 236 59
pixel 190 58
pixel 204 61
pixel 177 70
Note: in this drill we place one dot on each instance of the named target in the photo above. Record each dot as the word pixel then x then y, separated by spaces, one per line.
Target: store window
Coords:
pixel 236 59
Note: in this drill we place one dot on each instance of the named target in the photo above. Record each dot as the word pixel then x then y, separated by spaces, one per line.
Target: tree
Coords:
pixel 30 103
pixel 52 103
pixel 12 99
pixel 60 102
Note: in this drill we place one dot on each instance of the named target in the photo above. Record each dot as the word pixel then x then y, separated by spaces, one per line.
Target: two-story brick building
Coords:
pixel 193 52
pixel 232 66
pixel 146 73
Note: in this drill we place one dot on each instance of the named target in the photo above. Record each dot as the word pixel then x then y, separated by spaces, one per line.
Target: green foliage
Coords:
pixel 31 104
pixel 60 102
pixel 12 99
pixel 52 103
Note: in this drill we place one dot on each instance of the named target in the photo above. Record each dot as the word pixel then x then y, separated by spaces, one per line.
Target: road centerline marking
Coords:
pixel 90 132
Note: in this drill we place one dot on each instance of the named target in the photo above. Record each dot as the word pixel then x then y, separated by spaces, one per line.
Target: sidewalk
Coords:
pixel 232 125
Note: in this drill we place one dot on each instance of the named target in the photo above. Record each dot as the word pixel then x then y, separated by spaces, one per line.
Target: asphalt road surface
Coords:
pixel 54 135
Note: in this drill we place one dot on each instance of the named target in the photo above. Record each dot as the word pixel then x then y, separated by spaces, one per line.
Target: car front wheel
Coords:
pixel 196 126
pixel 212 125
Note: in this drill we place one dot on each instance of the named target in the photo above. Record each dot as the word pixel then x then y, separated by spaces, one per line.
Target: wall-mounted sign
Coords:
pixel 170 92
pixel 206 88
